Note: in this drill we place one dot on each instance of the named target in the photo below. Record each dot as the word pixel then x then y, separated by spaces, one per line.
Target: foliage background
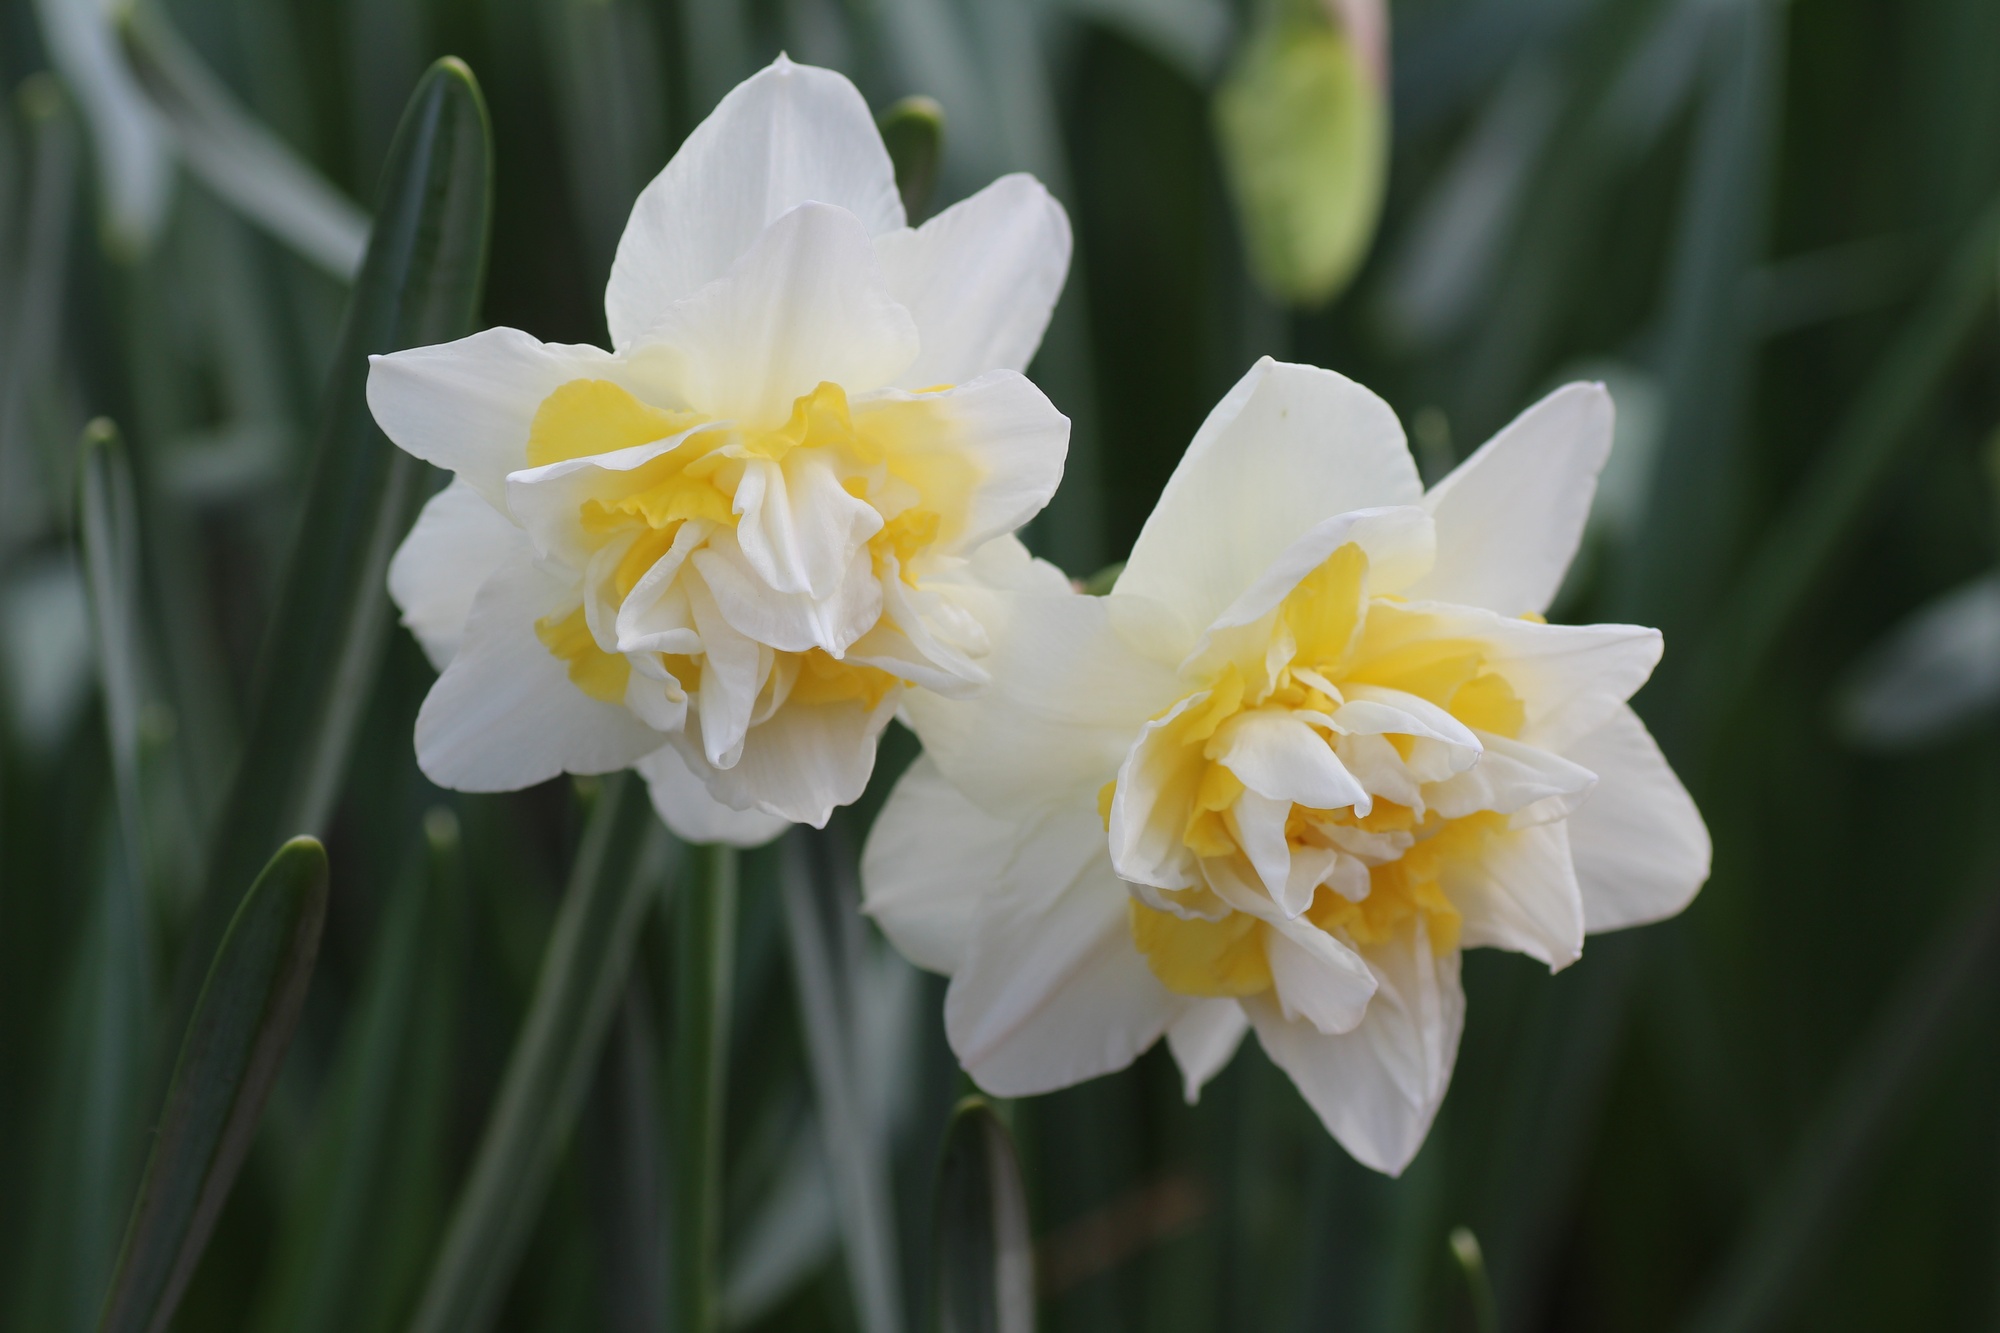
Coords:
pixel 1767 226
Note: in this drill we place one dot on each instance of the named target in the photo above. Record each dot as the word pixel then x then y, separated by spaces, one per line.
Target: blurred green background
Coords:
pixel 1770 228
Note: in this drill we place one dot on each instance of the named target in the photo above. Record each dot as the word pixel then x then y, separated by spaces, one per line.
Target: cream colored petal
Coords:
pixel 981 278
pixel 1513 779
pixel 1314 983
pixel 734 669
pixel 1073 682
pixel 1378 1087
pixel 1204 1039
pixel 790 621
pixel 1639 844
pixel 1289 447
pixel 1522 895
pixel 805 304
pixel 932 861
pixel 683 802
pixel 800 529
pixel 803 762
pixel 504 714
pixel 1157 785
pixel 1053 991
pixel 467 405
pixel 1509 518
pixel 458 540
pixel 787 134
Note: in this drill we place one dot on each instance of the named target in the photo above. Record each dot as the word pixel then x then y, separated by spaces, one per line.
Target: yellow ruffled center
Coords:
pixel 1328 635
pixel 892 455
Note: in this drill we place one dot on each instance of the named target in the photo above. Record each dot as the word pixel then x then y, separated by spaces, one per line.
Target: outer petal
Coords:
pixel 981 279
pixel 467 405
pixel 1073 683
pixel 1509 518
pixel 1203 1039
pixel 1053 991
pixel 505 715
pixel 458 541
pixel 683 802
pixel 785 135
pixel 803 304
pixel 1640 847
pixel 1287 448
pixel 1002 425
pixel 933 860
pixel 1523 896
pixel 802 762
pixel 1378 1087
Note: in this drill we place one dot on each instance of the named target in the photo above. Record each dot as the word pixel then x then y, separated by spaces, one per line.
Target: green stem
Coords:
pixel 704 944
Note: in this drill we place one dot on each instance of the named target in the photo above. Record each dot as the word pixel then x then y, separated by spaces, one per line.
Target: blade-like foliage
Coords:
pixel 983 1275
pixel 241 1028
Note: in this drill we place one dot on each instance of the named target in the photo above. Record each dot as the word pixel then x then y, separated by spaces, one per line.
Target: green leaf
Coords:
pixel 108 529
pixel 1304 129
pixel 419 285
pixel 229 1058
pixel 824 976
pixel 235 155
pixel 704 951
pixel 913 130
pixel 983 1279
pixel 1763 1276
pixel 618 872
pixel 1471 1262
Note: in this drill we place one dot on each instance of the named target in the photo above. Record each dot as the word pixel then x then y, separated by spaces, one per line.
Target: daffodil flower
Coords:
pixel 723 550
pixel 1316 741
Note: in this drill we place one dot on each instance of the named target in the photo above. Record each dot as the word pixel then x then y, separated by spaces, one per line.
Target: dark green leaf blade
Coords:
pixel 419 284
pixel 913 130
pixel 241 1028
pixel 617 873
pixel 983 1280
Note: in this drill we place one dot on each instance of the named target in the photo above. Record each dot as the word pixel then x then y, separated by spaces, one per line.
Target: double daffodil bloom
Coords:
pixel 723 550
pixel 1316 741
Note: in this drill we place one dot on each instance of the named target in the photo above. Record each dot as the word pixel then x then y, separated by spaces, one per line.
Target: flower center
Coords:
pixel 885 466
pixel 1393 700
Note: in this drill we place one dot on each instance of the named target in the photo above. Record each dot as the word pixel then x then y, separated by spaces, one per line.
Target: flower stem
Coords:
pixel 704 934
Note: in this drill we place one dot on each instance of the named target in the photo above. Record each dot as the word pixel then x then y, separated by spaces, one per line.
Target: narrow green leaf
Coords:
pixel 1876 432
pixel 235 155
pixel 618 872
pixel 326 1260
pixel 704 951
pixel 855 1149
pixel 1767 1271
pixel 108 530
pixel 913 130
pixel 235 1043
pixel 420 284
pixel 983 1276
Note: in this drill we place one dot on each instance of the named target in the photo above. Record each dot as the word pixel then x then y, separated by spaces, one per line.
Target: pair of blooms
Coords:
pixel 1315 741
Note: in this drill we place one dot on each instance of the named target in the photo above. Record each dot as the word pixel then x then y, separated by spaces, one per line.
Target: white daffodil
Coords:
pixel 1316 740
pixel 723 550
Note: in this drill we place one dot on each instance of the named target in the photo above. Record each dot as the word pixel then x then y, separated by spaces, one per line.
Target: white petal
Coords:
pixel 467 405
pixel 545 500
pixel 790 621
pixel 1523 896
pixel 734 668
pixel 1378 1087
pixel 1073 683
pixel 1513 779
pixel 1289 447
pixel 505 714
pixel 804 304
pixel 1377 710
pixel 800 528
pixel 1640 847
pixel 933 859
pixel 458 540
pixel 1328 990
pixel 980 278
pixel 785 135
pixel 1570 678
pixel 1054 992
pixel 1397 542
pixel 804 761
pixel 1278 756
pixel 1001 424
pixel 1509 518
pixel 684 803
pixel 1203 1039
pixel 1157 785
